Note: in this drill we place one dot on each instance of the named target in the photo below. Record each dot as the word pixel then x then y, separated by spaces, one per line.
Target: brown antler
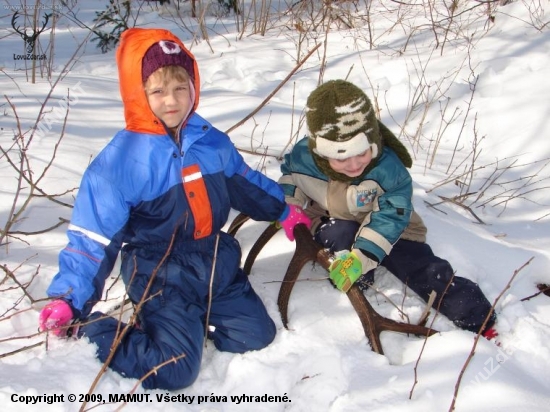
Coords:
pixel 373 323
pixel 309 250
pixel 237 223
pixel 258 245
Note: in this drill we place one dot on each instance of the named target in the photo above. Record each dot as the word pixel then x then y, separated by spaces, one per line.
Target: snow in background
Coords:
pixel 323 361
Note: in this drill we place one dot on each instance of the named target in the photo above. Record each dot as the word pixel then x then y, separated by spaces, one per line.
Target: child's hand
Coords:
pixel 292 216
pixel 54 316
pixel 345 270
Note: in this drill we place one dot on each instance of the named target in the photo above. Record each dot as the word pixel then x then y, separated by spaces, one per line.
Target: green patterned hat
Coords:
pixel 342 124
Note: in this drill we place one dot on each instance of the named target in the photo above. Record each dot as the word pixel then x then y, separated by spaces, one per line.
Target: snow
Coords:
pixel 323 361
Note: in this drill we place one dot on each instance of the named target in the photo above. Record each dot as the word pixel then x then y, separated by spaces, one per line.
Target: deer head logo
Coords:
pixel 29 39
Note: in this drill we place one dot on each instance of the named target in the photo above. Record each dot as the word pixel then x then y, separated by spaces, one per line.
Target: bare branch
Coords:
pixel 472 352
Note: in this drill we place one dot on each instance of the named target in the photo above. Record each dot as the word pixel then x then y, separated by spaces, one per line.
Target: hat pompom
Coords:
pixel 165 53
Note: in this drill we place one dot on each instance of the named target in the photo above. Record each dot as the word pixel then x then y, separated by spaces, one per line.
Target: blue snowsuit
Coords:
pixel 163 205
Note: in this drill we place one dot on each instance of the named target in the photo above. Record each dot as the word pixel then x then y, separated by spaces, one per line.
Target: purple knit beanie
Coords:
pixel 165 53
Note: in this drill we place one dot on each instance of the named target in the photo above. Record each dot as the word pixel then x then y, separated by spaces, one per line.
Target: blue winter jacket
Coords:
pixel 148 192
pixel 381 201
pixel 142 189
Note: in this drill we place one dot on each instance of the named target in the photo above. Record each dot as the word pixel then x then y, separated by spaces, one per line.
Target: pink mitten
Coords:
pixel 54 316
pixel 292 216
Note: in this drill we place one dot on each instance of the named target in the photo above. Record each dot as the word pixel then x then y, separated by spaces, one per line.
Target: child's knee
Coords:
pixel 173 375
pixel 259 337
pixel 266 336
pixel 254 337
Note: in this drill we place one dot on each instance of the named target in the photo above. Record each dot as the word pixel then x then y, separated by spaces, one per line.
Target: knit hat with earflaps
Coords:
pixel 342 123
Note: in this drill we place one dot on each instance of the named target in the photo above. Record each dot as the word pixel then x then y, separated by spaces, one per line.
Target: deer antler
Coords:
pixel 237 223
pixel 13 19
pixel 47 16
pixel 309 250
pixel 35 33
pixel 373 323
pixel 29 40
pixel 258 245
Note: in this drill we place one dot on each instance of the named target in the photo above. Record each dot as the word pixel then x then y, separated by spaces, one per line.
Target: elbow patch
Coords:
pixel 400 204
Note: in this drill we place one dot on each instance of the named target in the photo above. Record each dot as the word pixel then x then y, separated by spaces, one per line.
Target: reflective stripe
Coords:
pixel 192 177
pixel 377 239
pixel 197 196
pixel 94 236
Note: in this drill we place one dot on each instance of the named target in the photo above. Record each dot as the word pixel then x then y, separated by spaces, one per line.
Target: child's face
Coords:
pixel 169 99
pixel 352 166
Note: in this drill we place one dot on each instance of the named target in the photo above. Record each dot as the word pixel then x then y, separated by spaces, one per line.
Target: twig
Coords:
pixel 424 317
pixel 456 202
pixel 402 313
pixel 62 221
pixel 324 278
pixel 32 335
pixel 4 355
pixel 469 108
pixel 543 289
pixel 3 317
pixel 433 206
pixel 118 340
pixel 173 359
pixel 426 338
pixel 23 287
pixel 210 289
pixel 472 351
pixel 268 98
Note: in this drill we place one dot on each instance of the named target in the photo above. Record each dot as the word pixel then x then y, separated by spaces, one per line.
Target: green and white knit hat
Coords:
pixel 342 124
pixel 341 120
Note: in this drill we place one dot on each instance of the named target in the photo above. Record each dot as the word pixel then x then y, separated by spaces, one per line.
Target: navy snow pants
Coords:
pixel 172 320
pixel 415 264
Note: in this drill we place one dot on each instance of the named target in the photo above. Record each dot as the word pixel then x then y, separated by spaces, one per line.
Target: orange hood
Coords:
pixel 133 45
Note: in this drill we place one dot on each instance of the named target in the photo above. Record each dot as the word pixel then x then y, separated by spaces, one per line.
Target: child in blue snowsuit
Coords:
pixel 160 193
pixel 351 175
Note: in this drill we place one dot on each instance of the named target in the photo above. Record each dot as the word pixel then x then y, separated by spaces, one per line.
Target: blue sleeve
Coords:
pixel 299 165
pixel 251 192
pixel 386 225
pixel 286 182
pixel 100 213
pixel 390 222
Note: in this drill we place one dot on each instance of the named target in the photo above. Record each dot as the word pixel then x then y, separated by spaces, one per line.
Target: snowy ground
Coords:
pixel 323 361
